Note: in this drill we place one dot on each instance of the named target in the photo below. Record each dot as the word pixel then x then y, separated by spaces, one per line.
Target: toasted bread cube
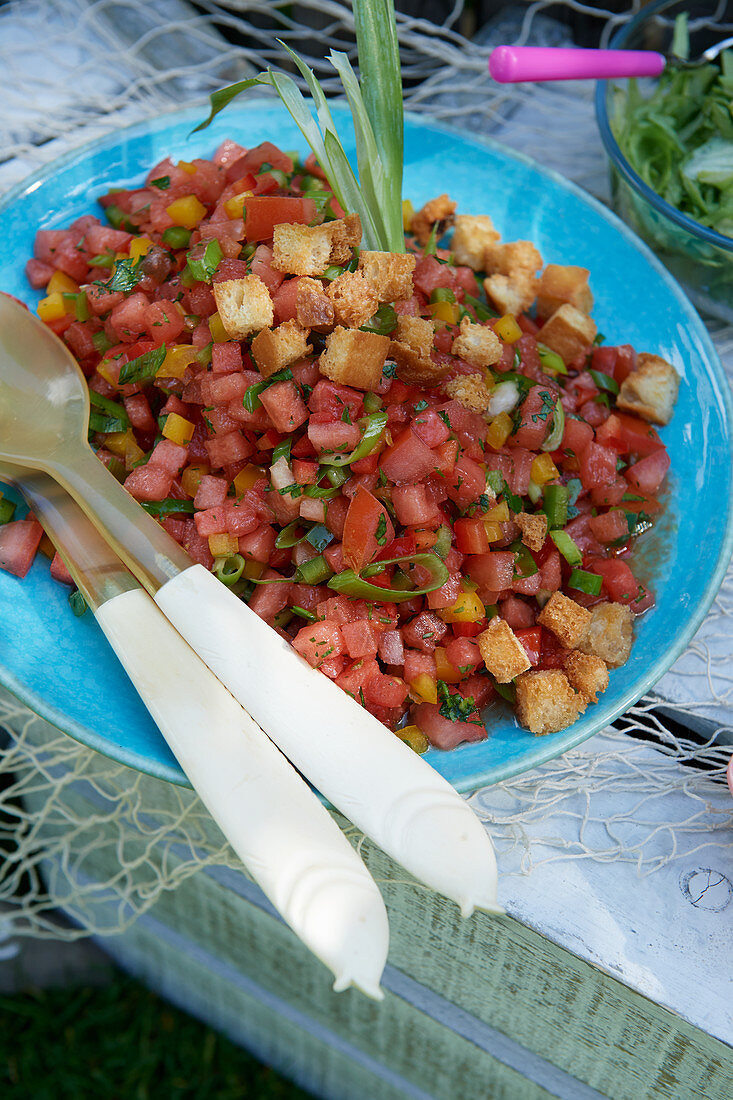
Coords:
pixel 410 347
pixel 471 237
pixel 353 299
pixel 565 618
pixel 511 295
pixel 587 674
pixel 314 309
pixel 244 305
pixel 502 652
pixel 354 358
pixel 533 528
pixel 609 634
pixel 515 258
pixel 440 209
pixel 276 348
pixel 311 249
pixel 471 391
pixel 476 344
pixel 561 283
pixel 568 332
pixel 546 702
pixel 650 391
pixel 389 274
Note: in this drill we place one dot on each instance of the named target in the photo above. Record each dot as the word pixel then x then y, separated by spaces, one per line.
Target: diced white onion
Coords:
pixel 281 474
pixel 312 508
pixel 504 398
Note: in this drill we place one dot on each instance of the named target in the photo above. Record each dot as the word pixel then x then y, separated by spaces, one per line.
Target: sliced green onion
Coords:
pixel 301 611
pixel 431 245
pixel 534 492
pixel 383 322
pixel 289 535
pixel 567 547
pixel 333 272
pixel 337 475
pixel 314 571
pixel 101 341
pixel 77 603
pixel 372 402
pixel 229 568
pixel 104 259
pixel 550 360
pixel 555 505
pixel 282 450
pixel 442 294
pixel 443 542
pixel 319 537
pixel 483 311
pixel 7 510
pixel 112 408
pixel 604 381
pixel 167 507
pixel 350 583
pixel 321 493
pixel 176 236
pixel 590 583
pixel 554 439
pixel 106 425
pixel 374 427
pixel 506 691
pixel 144 367
pixel 251 399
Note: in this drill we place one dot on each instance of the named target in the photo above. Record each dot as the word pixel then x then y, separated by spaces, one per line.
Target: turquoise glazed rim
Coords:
pixel 62 667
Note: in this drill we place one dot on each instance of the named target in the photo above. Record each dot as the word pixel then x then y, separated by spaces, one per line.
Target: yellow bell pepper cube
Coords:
pixel 46 547
pixel 177 358
pixel 178 429
pixel 445 311
pixel 53 307
pixel 543 469
pixel 493 531
pixel 408 213
pixel 191 477
pixel 216 327
pixel 224 545
pixel 246 478
pixel 507 329
pixel 444 669
pixel 140 246
pixel 424 688
pixel 187 167
pixel 499 513
pixel 414 737
pixel 186 211
pixel 467 608
pixel 123 445
pixel 235 205
pixel 499 430
pixel 253 570
pixel 62 283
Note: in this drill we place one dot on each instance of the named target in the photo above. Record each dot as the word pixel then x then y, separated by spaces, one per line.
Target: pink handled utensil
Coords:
pixel 514 64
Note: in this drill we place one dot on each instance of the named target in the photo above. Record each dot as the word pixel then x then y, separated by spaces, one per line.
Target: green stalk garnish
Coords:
pixel 377 113
pixel 373 432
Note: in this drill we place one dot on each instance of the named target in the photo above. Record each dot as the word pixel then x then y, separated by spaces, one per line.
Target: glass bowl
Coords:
pixel 699 257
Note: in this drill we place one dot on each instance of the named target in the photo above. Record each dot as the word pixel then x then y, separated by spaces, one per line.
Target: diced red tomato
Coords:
pixel 441 732
pixel 367 528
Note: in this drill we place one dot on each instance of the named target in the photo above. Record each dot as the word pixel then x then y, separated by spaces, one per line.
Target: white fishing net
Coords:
pixel 82 834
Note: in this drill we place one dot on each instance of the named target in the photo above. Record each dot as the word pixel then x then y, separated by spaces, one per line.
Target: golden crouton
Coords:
pixel 311 249
pixel 511 294
pixel 439 210
pixel 471 237
pixel 476 344
pixel 565 618
pixel 568 332
pixel 650 391
pixel 546 702
pixel 314 309
pixel 354 358
pixel 276 348
pixel 410 347
pixel 608 634
pixel 561 283
pixel 353 299
pixel 471 391
pixel 586 673
pixel 533 528
pixel 502 652
pixel 244 305
pixel 389 274
pixel 515 258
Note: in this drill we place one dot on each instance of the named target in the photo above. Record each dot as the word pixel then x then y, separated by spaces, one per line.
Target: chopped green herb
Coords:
pixel 77 603
pixel 383 322
pixel 162 183
pixel 167 507
pixel 203 260
pixel 381 532
pixel 251 399
pixel 454 706
pixel 144 367
pixel 125 277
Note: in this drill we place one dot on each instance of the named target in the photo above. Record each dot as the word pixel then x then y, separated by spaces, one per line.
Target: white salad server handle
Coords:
pixel 286 839
pixel 376 780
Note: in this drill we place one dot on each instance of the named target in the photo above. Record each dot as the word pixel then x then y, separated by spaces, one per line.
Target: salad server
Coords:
pixel 286 839
pixel 388 792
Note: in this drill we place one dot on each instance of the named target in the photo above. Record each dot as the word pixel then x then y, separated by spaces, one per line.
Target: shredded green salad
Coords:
pixel 679 139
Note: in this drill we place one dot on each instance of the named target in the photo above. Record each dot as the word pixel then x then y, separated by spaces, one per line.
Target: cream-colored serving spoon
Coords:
pixel 285 838
pixel 392 795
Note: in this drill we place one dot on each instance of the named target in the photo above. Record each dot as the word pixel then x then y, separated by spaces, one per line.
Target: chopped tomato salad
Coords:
pixel 424 469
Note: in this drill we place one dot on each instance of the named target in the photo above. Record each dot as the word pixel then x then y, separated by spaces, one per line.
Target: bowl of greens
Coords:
pixel 670 145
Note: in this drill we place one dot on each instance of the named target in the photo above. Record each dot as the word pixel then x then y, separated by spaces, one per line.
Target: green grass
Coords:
pixel 121 1042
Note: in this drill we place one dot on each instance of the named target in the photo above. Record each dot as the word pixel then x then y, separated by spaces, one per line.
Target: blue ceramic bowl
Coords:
pixel 62 667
